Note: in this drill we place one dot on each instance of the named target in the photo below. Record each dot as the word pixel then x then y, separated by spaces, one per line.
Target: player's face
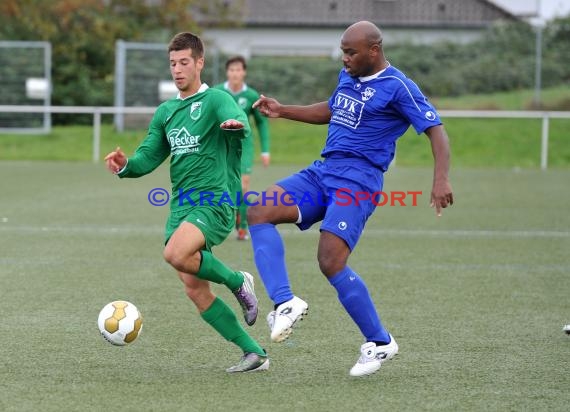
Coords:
pixel 236 73
pixel 358 56
pixel 185 70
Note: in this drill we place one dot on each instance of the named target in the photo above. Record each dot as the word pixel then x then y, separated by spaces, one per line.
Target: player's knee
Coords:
pixel 256 215
pixel 181 258
pixel 168 256
pixel 173 258
pixel 329 264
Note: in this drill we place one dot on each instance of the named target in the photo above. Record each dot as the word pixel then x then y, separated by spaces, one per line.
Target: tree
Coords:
pixel 83 35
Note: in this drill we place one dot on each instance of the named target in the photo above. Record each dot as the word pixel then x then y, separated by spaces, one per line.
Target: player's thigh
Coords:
pixel 273 205
pixel 181 251
pixel 354 187
pixel 214 224
pixel 347 219
pixel 305 190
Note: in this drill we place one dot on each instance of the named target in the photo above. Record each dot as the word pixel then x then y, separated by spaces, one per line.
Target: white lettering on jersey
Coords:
pixel 181 141
pixel 347 111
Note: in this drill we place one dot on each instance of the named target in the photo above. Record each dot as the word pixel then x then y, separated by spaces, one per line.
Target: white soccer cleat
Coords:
pixel 372 357
pixel 282 319
pixel 271 319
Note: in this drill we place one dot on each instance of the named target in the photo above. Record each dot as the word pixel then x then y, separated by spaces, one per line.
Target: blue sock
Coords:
pixel 354 296
pixel 269 256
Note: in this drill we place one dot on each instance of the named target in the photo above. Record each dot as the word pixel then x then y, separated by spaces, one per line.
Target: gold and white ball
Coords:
pixel 120 322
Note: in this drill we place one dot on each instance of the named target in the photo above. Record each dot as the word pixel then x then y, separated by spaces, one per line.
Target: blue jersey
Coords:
pixel 368 115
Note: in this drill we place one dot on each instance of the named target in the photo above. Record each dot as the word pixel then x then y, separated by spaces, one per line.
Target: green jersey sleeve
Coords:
pixel 261 121
pixel 263 129
pixel 152 151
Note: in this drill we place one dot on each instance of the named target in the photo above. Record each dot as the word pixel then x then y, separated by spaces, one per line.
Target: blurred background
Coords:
pixel 498 55
pixel 476 299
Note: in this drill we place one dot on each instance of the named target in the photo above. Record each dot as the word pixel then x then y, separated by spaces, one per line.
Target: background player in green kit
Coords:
pixel 245 96
pixel 201 130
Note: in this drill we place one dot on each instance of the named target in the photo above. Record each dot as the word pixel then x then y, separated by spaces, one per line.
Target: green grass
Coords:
pixel 483 143
pixel 503 143
pixel 553 98
pixel 492 143
pixel 476 300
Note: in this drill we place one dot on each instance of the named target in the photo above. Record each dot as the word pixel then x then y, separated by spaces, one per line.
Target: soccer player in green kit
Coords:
pixel 245 96
pixel 201 130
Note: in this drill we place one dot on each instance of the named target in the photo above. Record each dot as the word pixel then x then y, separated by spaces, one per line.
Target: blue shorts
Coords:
pixel 334 191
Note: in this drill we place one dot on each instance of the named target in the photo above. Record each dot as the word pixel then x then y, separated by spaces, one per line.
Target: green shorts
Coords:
pixel 247 155
pixel 215 222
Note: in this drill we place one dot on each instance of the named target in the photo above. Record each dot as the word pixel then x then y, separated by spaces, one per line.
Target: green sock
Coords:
pixel 216 271
pixel 223 319
pixel 243 216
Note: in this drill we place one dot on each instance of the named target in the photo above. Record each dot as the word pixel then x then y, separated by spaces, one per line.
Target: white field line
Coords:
pixel 288 231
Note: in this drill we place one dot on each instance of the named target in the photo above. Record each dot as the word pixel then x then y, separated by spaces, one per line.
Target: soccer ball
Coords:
pixel 120 322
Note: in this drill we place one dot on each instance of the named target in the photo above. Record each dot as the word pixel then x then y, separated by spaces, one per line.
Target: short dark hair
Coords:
pixel 236 59
pixel 187 40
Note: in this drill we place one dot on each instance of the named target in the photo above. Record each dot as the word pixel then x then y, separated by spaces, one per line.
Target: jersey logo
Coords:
pixel 195 110
pixel 347 110
pixel 181 141
pixel 430 115
pixel 242 102
pixel 368 93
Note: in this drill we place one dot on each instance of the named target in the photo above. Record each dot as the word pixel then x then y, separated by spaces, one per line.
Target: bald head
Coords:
pixel 361 46
pixel 364 30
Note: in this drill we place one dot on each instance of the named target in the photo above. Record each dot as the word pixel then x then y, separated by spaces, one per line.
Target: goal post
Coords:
pixel 25 79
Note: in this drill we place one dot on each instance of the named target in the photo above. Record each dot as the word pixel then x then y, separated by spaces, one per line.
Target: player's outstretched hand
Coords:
pixel 267 106
pixel 265 159
pixel 116 160
pixel 231 124
pixel 441 196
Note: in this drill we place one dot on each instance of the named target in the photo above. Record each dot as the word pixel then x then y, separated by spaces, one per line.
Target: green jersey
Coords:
pixel 245 99
pixel 204 159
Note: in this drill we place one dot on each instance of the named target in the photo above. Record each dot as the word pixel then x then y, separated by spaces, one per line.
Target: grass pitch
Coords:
pixel 476 300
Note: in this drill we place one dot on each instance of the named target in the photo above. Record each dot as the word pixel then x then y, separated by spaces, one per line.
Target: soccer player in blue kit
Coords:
pixel 373 105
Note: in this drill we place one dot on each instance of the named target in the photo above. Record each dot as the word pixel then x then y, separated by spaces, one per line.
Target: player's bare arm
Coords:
pixel 441 193
pixel 115 160
pixel 318 113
